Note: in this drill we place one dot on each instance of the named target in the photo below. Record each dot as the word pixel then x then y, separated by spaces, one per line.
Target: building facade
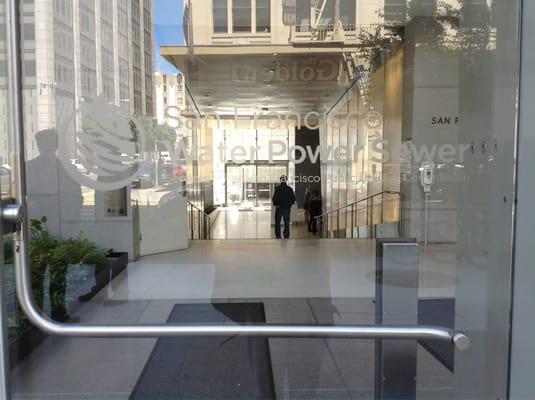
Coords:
pixel 93 48
pixel 265 22
pixel 170 91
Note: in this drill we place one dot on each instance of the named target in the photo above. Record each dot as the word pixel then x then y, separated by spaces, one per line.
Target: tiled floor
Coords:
pixel 271 268
pixel 301 281
pixel 302 368
pixel 236 223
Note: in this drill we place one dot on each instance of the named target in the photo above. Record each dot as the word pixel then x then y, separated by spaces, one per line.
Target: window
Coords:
pixel 28 31
pixel 348 12
pixel 263 16
pixel 241 12
pixel 220 13
pixel 302 15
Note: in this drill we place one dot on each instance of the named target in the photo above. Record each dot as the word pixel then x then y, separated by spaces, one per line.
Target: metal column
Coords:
pixel 4 348
pixel 396 303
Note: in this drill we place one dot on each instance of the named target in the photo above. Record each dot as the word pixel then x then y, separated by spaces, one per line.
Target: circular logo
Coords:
pixel 373 119
pixel 100 146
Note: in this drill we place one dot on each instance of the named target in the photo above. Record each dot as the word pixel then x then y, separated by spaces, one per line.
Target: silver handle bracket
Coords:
pixel 12 215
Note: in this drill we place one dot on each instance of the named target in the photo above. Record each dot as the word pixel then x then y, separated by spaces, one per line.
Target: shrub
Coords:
pixel 48 252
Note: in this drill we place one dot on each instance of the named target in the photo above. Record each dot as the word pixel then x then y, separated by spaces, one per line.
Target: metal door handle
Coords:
pixel 24 291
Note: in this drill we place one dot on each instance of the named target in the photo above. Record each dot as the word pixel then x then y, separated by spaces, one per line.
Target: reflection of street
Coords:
pixel 88 196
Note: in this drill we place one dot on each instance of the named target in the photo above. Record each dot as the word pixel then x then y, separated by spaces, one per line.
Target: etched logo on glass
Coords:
pixel 103 151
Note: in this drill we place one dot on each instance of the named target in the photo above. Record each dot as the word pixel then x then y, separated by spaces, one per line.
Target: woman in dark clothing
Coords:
pixel 315 209
pixel 306 204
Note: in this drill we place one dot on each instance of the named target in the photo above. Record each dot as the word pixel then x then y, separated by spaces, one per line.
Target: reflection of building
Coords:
pixel 77 51
pixel 265 22
pixel 170 97
pixel 254 58
pixel 91 48
pixel 261 60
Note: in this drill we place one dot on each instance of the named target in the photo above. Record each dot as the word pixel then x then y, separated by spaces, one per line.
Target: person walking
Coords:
pixel 315 209
pixel 283 200
pixel 306 204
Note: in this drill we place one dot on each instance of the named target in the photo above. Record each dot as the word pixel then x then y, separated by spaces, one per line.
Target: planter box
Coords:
pixel 82 285
pixel 24 344
pixel 117 263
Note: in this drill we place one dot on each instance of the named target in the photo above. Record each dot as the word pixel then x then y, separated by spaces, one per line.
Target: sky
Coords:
pixel 168 30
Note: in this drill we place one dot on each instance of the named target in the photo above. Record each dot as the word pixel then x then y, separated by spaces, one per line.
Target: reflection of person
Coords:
pixel 306 203
pixel 315 209
pixel 283 200
pixel 52 190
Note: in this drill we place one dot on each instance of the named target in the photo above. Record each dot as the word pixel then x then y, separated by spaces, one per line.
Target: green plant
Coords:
pixel 209 208
pixel 56 255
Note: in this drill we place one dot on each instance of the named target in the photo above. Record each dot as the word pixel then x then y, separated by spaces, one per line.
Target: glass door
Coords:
pixel 241 185
pixel 394 121
pixel 268 178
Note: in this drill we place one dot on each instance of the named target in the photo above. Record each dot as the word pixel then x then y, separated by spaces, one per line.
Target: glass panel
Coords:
pixel 263 16
pixel 241 15
pixel 14 320
pixel 303 15
pixel 152 127
pixel 220 11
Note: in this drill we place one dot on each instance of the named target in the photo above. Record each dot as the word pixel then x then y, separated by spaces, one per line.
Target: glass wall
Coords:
pixel 416 104
pixel 251 157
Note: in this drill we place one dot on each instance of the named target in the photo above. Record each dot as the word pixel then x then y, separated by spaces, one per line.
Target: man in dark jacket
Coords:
pixel 283 200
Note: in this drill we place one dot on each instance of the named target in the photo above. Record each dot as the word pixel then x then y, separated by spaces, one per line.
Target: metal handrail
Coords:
pixel 197 208
pixel 357 202
pixel 352 206
pixel 204 229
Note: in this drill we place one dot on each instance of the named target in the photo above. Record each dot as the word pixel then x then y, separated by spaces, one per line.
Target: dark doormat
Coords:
pixel 438 312
pixel 193 367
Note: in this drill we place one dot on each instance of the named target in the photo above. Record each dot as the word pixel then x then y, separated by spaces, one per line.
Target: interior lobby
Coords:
pixel 141 208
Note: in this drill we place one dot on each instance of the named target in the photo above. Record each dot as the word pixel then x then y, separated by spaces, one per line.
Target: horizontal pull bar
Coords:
pixel 23 279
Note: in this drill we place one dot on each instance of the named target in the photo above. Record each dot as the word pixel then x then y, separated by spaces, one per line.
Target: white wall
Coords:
pixel 163 221
pixel 431 90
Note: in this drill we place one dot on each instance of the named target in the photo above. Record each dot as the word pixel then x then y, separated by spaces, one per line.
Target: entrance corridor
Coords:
pixel 254 223
pixel 297 281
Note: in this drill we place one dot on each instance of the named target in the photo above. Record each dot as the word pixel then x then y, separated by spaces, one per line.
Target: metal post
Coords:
pixel 368 221
pixel 352 221
pixel 14 79
pixel 5 392
pixel 199 224
pixel 192 222
pixel 337 224
pixel 426 219
pixel 372 225
pixel 396 302
pixel 382 208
